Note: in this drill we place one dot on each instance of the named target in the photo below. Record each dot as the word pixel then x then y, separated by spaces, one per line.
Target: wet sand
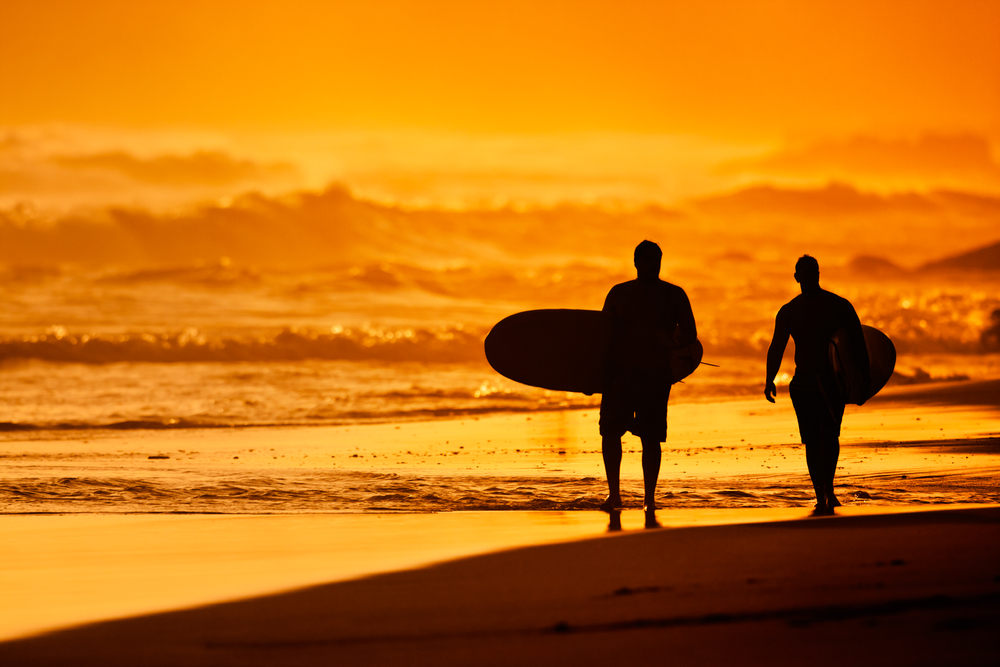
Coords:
pixel 57 571
pixel 891 589
pixel 897 450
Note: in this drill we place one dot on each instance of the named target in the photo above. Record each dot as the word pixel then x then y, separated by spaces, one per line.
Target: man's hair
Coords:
pixel 807 266
pixel 648 249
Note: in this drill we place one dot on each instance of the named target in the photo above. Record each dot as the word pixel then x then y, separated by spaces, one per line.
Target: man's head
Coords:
pixel 647 261
pixel 807 272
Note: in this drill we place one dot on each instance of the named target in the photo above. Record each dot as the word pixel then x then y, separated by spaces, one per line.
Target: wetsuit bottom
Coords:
pixel 820 411
pixel 635 401
pixel 818 408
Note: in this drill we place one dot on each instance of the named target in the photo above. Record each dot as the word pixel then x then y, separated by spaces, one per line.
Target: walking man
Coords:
pixel 652 317
pixel 811 319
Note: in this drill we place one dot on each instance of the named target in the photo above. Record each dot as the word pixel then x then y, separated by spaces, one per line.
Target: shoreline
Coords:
pixel 775 579
pixel 736 454
pixel 941 394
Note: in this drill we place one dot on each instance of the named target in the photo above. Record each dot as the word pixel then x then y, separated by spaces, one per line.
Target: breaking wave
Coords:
pixel 447 345
pixel 910 332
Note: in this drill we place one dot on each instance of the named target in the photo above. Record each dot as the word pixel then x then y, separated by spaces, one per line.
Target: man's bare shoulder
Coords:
pixel 617 296
pixel 789 308
pixel 670 287
pixel 622 288
pixel 840 299
pixel 837 301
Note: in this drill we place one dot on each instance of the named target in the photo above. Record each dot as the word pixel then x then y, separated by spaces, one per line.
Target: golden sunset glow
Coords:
pixel 251 252
pixel 736 69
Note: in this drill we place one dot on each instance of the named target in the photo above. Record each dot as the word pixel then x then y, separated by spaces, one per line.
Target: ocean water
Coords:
pixel 321 309
pixel 215 345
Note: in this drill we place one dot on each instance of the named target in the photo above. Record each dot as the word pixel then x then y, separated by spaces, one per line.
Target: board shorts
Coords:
pixel 819 408
pixel 635 401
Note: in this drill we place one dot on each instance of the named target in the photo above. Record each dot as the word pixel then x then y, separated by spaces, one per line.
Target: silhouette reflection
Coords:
pixel 615 520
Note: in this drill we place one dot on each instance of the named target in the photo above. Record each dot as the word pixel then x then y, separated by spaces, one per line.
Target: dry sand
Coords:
pixel 895 589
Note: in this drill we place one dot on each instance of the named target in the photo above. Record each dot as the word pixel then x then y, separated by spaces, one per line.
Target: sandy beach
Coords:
pixel 897 589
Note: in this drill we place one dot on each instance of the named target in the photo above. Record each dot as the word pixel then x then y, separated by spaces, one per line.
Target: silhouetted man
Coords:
pixel 811 319
pixel 651 318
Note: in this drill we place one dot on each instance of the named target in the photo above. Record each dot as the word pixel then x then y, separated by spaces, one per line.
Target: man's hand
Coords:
pixel 770 391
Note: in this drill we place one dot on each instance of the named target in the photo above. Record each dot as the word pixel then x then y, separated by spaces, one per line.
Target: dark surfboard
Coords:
pixel 565 350
pixel 881 356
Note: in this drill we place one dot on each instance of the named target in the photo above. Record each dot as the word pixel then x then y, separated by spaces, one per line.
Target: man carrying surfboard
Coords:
pixel 812 319
pixel 652 317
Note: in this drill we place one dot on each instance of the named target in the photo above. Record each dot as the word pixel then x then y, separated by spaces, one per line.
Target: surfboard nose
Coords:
pixel 558 349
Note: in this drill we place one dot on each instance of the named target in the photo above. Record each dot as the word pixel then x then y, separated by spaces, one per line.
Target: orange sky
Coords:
pixel 741 70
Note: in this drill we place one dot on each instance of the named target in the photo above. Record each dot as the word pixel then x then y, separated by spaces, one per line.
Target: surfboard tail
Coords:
pixel 685 360
pixel 881 358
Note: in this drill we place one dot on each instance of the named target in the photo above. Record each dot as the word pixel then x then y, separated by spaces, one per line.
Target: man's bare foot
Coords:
pixel 831 501
pixel 611 504
pixel 822 509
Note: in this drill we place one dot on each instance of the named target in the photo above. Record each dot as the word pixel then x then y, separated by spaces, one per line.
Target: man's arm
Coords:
pixel 774 354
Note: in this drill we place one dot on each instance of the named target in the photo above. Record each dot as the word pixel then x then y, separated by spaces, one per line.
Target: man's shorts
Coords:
pixel 818 408
pixel 635 401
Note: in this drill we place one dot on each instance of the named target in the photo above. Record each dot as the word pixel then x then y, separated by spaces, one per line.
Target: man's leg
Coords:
pixel 616 417
pixel 817 464
pixel 611 450
pixel 651 456
pixel 810 412
pixel 651 427
pixel 831 454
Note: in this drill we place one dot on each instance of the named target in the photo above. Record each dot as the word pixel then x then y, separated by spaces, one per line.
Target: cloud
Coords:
pixel 979 259
pixel 200 168
pixel 832 200
pixel 841 221
pixel 60 170
pixel 963 160
pixel 333 227
pixel 320 228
